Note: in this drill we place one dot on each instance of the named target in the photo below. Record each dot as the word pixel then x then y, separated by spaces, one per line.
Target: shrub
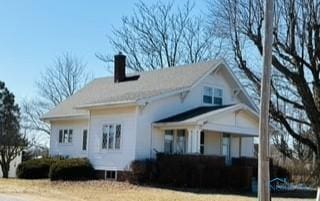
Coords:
pixel 245 162
pixel 142 171
pixel 199 171
pixel 71 169
pixel 189 170
pixel 280 172
pixel 35 169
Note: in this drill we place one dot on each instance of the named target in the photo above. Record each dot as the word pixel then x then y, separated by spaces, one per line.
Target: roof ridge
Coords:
pixel 186 65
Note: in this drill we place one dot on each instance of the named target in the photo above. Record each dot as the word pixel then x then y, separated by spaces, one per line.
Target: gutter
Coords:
pixel 107 105
pixel 64 117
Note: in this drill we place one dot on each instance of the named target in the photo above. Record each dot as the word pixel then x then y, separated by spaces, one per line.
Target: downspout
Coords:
pixel 151 141
pixel 89 133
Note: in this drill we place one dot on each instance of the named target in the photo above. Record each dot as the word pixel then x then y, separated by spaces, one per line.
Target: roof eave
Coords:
pixel 64 117
pixel 253 105
pixel 107 105
pixel 175 124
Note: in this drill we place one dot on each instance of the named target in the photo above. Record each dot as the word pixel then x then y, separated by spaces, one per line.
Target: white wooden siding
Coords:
pixel 73 149
pixel 113 159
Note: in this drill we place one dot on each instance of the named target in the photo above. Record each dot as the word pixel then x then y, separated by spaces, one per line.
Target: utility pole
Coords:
pixel 263 164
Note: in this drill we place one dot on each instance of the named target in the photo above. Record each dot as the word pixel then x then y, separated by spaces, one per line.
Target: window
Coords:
pixel 60 136
pixel 168 141
pixel 217 100
pixel 212 96
pixel 65 136
pixel 207 95
pixel 111 136
pixel 110 174
pixel 181 141
pixel 84 139
pixel 118 136
pixel 202 142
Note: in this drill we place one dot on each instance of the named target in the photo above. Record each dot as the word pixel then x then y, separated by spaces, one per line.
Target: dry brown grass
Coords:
pixel 44 190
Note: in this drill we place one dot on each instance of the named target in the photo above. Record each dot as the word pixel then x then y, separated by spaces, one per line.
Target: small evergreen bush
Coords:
pixel 142 171
pixel 71 169
pixel 35 168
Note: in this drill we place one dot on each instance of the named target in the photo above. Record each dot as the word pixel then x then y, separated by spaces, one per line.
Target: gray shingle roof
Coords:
pixel 191 113
pixel 150 84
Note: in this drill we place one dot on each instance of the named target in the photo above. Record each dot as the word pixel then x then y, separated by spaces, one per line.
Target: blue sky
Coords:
pixel 33 32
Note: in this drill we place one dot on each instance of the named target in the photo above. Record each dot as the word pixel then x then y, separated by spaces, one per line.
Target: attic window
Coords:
pixel 207 95
pixel 212 96
pixel 217 99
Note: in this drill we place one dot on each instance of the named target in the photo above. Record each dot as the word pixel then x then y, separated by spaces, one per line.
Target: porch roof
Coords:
pixel 236 118
pixel 191 113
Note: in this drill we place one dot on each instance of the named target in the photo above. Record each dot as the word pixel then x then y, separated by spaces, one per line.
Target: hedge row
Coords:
pixel 198 171
pixel 189 170
pixel 56 169
pixel 35 168
pixel 71 169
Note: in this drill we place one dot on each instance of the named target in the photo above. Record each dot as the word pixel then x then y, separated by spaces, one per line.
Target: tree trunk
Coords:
pixel 5 170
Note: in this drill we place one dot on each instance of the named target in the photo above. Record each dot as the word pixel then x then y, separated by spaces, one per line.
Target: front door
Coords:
pixel 226 147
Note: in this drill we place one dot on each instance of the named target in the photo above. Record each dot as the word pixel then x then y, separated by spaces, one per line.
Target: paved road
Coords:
pixel 12 198
pixel 24 197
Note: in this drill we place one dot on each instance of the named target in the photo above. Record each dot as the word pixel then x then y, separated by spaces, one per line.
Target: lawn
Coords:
pixel 44 190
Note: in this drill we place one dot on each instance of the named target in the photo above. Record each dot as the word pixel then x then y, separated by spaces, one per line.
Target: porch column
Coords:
pixel 194 140
pixel 240 146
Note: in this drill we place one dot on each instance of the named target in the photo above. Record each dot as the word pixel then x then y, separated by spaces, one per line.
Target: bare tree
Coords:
pixel 163 35
pixel 295 104
pixel 59 81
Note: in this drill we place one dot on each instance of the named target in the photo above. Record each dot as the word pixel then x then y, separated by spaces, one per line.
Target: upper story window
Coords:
pixel 217 98
pixel 207 95
pixel 111 136
pixel 212 96
pixel 65 136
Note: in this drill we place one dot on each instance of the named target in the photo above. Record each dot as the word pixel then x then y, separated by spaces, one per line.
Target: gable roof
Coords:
pixel 103 91
pixel 191 113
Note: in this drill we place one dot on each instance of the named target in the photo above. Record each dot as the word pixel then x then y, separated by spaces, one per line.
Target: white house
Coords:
pixel 192 109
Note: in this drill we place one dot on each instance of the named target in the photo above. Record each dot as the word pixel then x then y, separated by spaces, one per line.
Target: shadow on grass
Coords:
pixel 307 194
pixel 296 194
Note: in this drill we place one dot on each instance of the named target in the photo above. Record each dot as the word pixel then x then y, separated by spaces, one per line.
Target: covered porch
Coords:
pixel 213 130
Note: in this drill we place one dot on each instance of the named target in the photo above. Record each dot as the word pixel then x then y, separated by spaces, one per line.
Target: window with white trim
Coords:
pixel 212 95
pixel 65 136
pixel 84 139
pixel 181 141
pixel 111 136
pixel 217 96
pixel 168 141
pixel 207 95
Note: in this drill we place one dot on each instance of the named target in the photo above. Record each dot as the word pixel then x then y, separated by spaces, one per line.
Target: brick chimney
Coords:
pixel 119 67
